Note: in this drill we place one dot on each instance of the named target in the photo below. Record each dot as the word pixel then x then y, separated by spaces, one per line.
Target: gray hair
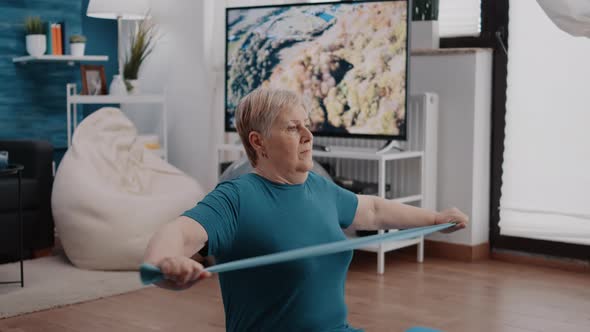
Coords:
pixel 258 110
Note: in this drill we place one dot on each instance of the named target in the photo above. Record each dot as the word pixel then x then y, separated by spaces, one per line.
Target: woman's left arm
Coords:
pixel 378 213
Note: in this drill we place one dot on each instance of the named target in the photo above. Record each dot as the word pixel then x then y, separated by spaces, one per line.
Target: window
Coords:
pixel 545 178
pixel 459 18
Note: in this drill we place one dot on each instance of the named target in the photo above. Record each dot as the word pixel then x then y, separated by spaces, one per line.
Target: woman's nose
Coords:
pixel 306 135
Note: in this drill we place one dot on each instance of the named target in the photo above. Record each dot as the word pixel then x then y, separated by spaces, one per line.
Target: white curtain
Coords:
pixel 459 18
pixel 546 170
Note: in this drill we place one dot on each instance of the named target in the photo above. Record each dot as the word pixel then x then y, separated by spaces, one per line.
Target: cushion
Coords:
pixel 111 194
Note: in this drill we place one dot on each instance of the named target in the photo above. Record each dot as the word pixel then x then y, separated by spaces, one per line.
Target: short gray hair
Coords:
pixel 258 110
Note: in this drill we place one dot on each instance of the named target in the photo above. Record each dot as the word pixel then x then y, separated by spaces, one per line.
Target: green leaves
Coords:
pixel 425 10
pixel 77 39
pixel 34 26
pixel 142 44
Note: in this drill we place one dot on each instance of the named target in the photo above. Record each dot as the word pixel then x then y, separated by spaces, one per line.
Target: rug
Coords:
pixel 53 281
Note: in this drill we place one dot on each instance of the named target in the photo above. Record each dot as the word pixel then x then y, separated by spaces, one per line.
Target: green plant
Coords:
pixel 142 44
pixel 425 10
pixel 34 26
pixel 77 39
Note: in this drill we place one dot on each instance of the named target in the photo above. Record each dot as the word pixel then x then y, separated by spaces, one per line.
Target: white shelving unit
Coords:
pixel 69 59
pixel 382 159
pixel 421 145
pixel 74 99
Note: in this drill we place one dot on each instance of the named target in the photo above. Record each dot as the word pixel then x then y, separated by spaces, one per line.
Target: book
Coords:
pixel 54 39
pixel 48 38
pixel 63 40
pixel 59 40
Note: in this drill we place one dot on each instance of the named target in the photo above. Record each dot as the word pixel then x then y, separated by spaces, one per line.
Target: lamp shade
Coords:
pixel 112 9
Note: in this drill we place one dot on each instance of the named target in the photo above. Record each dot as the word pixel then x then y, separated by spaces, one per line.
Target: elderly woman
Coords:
pixel 280 206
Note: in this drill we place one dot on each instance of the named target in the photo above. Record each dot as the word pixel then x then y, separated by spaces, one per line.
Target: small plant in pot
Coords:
pixel 36 41
pixel 77 45
pixel 425 10
pixel 142 44
pixel 424 32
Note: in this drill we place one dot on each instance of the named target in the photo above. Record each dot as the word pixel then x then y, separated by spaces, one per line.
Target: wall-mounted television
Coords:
pixel 349 58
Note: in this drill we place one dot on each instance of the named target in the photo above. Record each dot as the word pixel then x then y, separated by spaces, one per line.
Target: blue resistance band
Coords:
pixel 150 274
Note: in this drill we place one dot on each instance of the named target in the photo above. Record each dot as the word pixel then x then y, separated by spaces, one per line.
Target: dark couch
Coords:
pixel 37 179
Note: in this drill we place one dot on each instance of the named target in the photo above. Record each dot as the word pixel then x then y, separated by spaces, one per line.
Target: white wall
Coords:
pixel 177 69
pixel 463 83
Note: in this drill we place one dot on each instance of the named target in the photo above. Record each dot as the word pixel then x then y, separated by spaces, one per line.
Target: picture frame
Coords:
pixel 93 80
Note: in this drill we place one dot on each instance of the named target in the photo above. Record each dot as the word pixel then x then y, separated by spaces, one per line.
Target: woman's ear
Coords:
pixel 256 141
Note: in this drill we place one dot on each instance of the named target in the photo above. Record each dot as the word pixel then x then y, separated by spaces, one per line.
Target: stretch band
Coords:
pixel 150 274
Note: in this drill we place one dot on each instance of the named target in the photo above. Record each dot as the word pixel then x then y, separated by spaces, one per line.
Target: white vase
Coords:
pixel 134 87
pixel 424 35
pixel 117 87
pixel 36 44
pixel 77 49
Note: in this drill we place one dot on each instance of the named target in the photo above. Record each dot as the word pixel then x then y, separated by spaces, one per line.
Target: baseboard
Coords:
pixel 453 251
pixel 560 263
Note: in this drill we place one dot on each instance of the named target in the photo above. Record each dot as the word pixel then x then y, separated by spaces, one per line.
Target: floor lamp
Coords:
pixel 119 10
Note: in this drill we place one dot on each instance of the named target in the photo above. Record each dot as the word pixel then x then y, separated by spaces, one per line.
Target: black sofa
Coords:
pixel 37 180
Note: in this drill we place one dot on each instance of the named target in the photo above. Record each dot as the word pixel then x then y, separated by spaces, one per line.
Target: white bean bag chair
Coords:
pixel 110 194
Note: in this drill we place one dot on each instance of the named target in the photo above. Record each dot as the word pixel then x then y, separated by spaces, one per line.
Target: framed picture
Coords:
pixel 93 80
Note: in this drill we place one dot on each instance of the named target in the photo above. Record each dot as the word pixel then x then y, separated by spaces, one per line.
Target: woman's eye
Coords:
pixel 292 128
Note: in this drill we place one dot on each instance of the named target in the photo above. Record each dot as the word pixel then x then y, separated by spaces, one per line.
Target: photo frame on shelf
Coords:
pixel 93 80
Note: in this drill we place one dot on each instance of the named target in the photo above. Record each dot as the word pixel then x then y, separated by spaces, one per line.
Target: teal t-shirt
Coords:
pixel 252 216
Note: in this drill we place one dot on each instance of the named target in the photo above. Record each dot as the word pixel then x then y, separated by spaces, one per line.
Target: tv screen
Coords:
pixel 349 58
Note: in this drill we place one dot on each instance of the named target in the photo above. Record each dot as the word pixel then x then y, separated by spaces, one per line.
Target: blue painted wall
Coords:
pixel 102 39
pixel 33 96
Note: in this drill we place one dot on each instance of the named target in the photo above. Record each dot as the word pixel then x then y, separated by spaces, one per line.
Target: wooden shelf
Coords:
pixel 109 99
pixel 70 59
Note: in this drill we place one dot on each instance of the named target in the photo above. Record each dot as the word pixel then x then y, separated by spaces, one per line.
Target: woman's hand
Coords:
pixel 181 272
pixel 451 215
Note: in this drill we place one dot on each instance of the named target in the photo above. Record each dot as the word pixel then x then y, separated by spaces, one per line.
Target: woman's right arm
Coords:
pixel 171 249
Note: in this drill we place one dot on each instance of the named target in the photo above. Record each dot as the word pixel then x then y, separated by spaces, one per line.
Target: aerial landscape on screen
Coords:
pixel 348 59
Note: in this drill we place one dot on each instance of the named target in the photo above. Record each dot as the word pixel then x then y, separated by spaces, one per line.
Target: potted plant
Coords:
pixel 36 41
pixel 77 45
pixel 142 44
pixel 425 24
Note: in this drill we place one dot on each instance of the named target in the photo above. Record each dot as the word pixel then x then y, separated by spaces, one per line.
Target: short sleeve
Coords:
pixel 345 200
pixel 346 203
pixel 218 214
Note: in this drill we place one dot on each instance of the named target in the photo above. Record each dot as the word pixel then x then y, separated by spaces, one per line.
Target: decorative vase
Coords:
pixel 424 35
pixel 117 87
pixel 133 87
pixel 36 44
pixel 77 49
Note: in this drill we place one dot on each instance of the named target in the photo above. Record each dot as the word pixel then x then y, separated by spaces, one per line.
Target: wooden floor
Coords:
pixel 448 295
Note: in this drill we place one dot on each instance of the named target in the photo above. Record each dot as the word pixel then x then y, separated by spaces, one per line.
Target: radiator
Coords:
pixel 403 177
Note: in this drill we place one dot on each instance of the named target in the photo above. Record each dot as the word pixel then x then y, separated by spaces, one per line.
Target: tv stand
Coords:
pixel 404 171
pixel 390 145
pixel 321 147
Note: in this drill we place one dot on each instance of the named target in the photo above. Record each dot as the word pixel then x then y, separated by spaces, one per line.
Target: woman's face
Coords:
pixel 290 145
